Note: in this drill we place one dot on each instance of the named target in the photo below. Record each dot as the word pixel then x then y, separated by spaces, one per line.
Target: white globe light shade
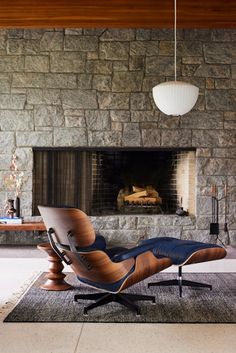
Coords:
pixel 175 97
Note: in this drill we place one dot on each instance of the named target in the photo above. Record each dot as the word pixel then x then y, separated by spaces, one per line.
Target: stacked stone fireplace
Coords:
pixel 91 88
pixel 109 181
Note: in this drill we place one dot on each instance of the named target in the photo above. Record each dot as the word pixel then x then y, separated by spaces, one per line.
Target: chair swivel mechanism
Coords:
pixel 110 271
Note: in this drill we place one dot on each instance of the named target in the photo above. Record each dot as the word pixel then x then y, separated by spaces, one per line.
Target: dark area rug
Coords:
pixel 196 306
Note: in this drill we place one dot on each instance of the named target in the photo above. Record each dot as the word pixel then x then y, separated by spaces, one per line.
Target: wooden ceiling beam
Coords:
pixel 116 14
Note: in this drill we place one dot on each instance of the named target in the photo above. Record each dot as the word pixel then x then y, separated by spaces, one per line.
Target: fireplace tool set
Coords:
pixel 214 225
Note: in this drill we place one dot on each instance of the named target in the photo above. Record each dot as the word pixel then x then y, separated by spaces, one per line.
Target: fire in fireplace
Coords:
pixel 115 181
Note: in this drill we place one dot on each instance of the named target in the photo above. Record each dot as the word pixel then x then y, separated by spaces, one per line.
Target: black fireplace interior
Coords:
pixel 106 181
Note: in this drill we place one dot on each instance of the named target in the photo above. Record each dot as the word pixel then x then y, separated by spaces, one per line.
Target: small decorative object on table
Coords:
pixel 13 182
pixel 11 209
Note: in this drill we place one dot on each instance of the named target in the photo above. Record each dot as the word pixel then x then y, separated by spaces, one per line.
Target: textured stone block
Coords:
pixel 140 101
pixel 168 122
pixel 234 71
pixel 143 34
pixel 220 53
pixel 163 34
pixel 36 63
pixel 7 142
pixel 107 100
pixel 114 50
pixel 105 222
pixel 151 81
pixel 164 232
pixel 14 101
pixel 33 33
pixel 51 41
pixel 176 138
pixel 120 115
pixel 131 135
pixel 127 81
pixel 151 138
pixel 48 115
pixel 226 35
pixel 15 46
pixel 97 120
pixel 81 43
pixel 73 137
pixel 212 138
pixel 11 63
pixel 11 120
pixel 190 48
pixel 218 71
pixel 161 65
pixel 166 48
pixel 123 237
pixel 128 222
pixel 137 63
pixel 202 120
pixel 204 152
pixel 138 48
pixel 28 80
pixel 183 221
pixel 200 235
pixel 212 166
pixel 221 100
pixel 79 99
pixel 61 80
pixel 104 138
pixel 43 96
pixel 121 65
pixel 3 40
pixel 93 31
pixel 223 83
pixel 113 34
pixel 67 62
pixel 5 80
pixel 199 34
pixel 37 139
pixel 25 160
pixel 102 67
pixel 84 81
pixel 141 116
pixel 75 121
pixel 102 82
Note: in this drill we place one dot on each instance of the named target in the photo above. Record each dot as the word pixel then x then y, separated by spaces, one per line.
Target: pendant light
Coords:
pixel 175 97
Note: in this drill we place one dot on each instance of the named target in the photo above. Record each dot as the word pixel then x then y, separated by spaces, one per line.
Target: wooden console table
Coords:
pixel 55 276
pixel 28 226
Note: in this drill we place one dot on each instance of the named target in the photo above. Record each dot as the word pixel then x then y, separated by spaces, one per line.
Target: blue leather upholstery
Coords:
pixel 133 252
pixel 178 250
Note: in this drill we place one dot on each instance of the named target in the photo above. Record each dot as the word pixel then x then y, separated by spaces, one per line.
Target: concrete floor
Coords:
pixel 20 266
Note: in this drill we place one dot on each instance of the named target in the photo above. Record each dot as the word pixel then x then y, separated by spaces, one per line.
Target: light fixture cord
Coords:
pixel 175 21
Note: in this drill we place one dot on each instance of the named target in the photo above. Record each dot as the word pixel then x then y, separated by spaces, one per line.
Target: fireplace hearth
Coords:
pixel 115 181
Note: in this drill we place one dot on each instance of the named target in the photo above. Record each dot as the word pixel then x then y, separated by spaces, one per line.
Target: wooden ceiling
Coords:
pixel 117 13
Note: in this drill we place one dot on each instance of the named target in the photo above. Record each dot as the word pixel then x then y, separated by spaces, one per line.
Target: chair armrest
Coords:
pixel 133 252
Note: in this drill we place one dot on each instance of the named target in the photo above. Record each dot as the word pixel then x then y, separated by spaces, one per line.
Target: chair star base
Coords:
pixel 180 282
pixel 126 299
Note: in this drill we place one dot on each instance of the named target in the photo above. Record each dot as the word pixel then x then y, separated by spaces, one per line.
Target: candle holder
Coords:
pixel 11 209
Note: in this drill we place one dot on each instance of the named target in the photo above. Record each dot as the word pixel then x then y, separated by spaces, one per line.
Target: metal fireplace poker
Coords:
pixel 214 225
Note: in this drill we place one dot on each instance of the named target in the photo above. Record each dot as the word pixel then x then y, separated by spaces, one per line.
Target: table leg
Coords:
pixel 55 276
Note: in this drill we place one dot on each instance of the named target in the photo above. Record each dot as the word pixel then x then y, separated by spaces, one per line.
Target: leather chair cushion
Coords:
pixel 178 250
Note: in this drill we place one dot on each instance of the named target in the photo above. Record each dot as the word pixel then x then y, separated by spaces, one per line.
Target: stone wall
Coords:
pixel 92 87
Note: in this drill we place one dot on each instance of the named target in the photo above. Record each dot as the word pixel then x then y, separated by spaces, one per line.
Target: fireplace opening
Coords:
pixel 115 181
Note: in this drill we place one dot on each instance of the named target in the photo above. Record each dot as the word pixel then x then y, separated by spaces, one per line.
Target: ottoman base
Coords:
pixel 180 282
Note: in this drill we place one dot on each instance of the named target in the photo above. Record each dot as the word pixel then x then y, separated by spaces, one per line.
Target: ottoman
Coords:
pixel 185 252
